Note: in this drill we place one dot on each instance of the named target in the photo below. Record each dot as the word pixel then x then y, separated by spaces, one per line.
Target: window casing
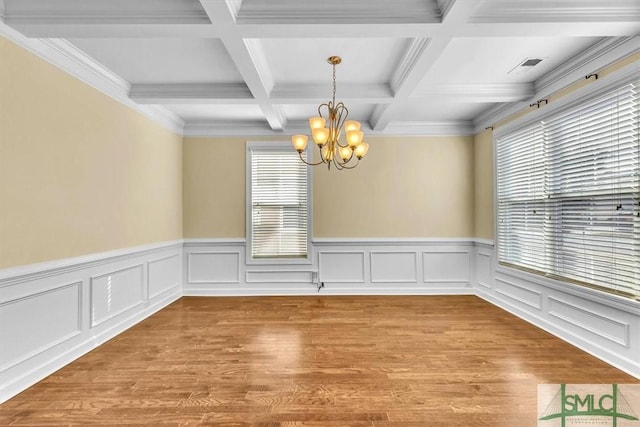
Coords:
pixel 278 204
pixel 568 194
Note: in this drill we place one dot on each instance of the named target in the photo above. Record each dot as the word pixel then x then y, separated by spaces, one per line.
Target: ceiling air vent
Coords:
pixel 526 65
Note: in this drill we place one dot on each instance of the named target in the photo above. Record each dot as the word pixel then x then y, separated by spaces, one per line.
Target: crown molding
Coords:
pixel 603 54
pixel 72 60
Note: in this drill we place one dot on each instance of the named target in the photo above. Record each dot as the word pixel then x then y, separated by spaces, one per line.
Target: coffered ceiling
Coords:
pixel 240 67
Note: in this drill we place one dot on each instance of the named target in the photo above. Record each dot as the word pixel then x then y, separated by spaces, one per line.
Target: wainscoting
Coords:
pixel 354 267
pixel 603 325
pixel 52 313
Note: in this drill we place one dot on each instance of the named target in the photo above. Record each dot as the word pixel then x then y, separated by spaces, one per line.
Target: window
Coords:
pixel 569 194
pixel 278 220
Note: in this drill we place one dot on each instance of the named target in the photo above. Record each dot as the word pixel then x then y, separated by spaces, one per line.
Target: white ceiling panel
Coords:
pixel 489 60
pixel 438 109
pixel 163 60
pixel 296 112
pixel 228 112
pixel 305 60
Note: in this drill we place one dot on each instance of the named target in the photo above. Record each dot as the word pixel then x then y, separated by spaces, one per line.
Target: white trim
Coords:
pixel 37 373
pixel 215 241
pixel 625 313
pixel 284 147
pixel 483 242
pixel 393 241
pixel 408 62
pixel 21 285
pixel 73 61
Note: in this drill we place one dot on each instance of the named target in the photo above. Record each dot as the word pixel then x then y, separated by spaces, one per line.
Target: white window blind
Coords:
pixel 279 204
pixel 569 194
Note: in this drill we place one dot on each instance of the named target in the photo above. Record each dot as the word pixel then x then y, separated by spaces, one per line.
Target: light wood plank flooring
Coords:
pixel 314 361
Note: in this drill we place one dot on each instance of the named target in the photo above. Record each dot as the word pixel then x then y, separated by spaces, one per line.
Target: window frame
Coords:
pixel 249 259
pixel 585 94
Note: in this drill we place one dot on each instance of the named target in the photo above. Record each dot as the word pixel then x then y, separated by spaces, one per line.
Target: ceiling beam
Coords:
pixel 191 93
pixel 248 58
pixel 419 58
pixel 459 11
pixel 302 93
pixel 50 29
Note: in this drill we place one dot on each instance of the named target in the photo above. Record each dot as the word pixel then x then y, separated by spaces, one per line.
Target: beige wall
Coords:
pixel 79 172
pixel 214 187
pixel 483 185
pixel 405 187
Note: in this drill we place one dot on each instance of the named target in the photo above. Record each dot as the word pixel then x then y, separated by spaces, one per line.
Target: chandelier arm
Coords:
pixel 345 166
pixel 326 104
pixel 341 166
pixel 310 164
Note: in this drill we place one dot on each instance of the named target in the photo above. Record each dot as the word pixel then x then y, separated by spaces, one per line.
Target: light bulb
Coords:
pixel 299 142
pixel 350 125
pixel 320 136
pixel 345 153
pixel 316 122
pixel 361 150
pixel 354 138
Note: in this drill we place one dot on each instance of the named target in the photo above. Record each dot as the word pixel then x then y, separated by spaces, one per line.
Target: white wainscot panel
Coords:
pixel 393 267
pixel 279 276
pixel 483 265
pixel 591 317
pixel 519 293
pixel 33 324
pixel 341 267
pixel 115 292
pixel 446 267
pixel 163 274
pixel 213 267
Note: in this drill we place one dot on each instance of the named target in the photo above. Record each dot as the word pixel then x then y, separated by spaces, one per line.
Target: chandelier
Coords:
pixel 326 131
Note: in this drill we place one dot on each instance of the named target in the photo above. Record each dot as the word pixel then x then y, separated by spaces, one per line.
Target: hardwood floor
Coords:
pixel 314 361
